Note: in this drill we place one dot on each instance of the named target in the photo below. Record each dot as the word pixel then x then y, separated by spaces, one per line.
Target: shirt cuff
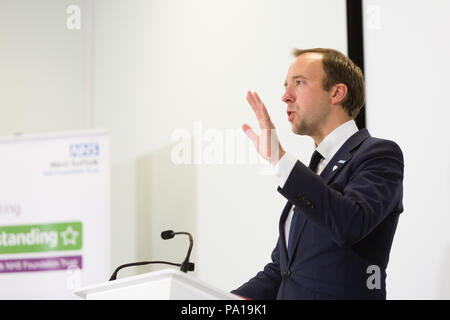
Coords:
pixel 283 168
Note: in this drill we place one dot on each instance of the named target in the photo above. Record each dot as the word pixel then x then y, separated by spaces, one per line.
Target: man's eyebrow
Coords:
pixel 299 76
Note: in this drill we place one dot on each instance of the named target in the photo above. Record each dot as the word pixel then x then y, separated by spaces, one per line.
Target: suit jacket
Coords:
pixel 344 231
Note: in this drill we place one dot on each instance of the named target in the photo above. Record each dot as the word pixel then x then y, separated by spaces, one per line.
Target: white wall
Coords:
pixel 407 68
pixel 162 65
pixel 45 76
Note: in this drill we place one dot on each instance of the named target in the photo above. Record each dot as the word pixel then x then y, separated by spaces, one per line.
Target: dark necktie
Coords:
pixel 315 159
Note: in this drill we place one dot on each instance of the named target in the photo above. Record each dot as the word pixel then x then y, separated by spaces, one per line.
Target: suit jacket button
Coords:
pixel 287 273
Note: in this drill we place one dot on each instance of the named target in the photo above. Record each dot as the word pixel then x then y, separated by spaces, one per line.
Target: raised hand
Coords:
pixel 267 143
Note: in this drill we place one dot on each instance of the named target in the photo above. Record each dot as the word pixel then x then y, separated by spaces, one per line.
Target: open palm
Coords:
pixel 267 143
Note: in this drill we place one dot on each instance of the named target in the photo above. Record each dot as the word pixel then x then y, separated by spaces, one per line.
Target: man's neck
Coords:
pixel 327 129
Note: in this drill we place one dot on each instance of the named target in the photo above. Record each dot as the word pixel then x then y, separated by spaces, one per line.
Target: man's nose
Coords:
pixel 287 97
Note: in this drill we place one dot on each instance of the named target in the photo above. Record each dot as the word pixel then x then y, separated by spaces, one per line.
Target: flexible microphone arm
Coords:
pixel 186 265
pixel 142 263
pixel 168 234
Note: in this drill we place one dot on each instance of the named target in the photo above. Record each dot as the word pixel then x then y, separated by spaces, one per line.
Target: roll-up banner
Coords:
pixel 54 214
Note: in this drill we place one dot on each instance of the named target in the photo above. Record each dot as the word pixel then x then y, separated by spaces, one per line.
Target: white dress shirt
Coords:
pixel 327 148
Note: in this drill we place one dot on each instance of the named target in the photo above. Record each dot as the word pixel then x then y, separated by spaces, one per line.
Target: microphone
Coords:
pixel 186 265
pixel 166 235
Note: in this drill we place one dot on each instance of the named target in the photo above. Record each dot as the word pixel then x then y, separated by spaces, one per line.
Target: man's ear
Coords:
pixel 338 93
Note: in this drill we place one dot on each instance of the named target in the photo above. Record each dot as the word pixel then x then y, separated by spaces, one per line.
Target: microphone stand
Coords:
pixel 142 263
pixel 168 234
pixel 186 265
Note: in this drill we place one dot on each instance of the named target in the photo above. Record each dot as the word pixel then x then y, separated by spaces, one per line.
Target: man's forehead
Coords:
pixel 307 64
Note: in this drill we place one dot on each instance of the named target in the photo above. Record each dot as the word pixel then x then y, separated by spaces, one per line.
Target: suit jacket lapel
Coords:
pixel 335 165
pixel 284 214
pixel 299 226
pixel 343 155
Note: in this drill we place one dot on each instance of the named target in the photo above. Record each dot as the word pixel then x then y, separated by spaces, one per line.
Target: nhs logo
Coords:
pixel 81 150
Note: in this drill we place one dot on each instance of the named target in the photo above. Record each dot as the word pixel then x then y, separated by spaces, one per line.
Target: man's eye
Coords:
pixel 299 82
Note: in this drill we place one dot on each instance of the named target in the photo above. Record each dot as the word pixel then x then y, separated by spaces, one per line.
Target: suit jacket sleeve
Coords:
pixel 264 286
pixel 349 213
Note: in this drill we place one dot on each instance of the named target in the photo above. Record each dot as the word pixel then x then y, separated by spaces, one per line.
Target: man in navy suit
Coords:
pixel 338 225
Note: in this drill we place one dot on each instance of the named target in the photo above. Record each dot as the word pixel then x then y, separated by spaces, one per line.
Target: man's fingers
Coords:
pixel 257 99
pixel 250 133
pixel 251 102
pixel 260 110
pixel 261 106
pixel 254 102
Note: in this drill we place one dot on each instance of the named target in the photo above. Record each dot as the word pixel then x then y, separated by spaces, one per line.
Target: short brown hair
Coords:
pixel 340 69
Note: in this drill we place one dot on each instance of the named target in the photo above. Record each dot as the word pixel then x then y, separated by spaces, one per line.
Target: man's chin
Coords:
pixel 297 130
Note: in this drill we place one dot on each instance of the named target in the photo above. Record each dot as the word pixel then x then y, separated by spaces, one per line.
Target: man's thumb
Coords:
pixel 250 133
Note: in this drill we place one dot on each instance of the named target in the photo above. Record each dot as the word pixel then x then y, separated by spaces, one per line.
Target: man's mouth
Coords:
pixel 290 115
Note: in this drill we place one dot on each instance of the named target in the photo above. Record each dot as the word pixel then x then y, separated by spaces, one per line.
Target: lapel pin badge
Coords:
pixel 335 167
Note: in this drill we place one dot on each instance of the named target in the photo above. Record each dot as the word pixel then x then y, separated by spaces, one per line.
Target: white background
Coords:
pixel 143 69
pixel 407 68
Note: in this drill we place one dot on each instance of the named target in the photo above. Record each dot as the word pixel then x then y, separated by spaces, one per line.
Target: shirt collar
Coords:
pixel 334 140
